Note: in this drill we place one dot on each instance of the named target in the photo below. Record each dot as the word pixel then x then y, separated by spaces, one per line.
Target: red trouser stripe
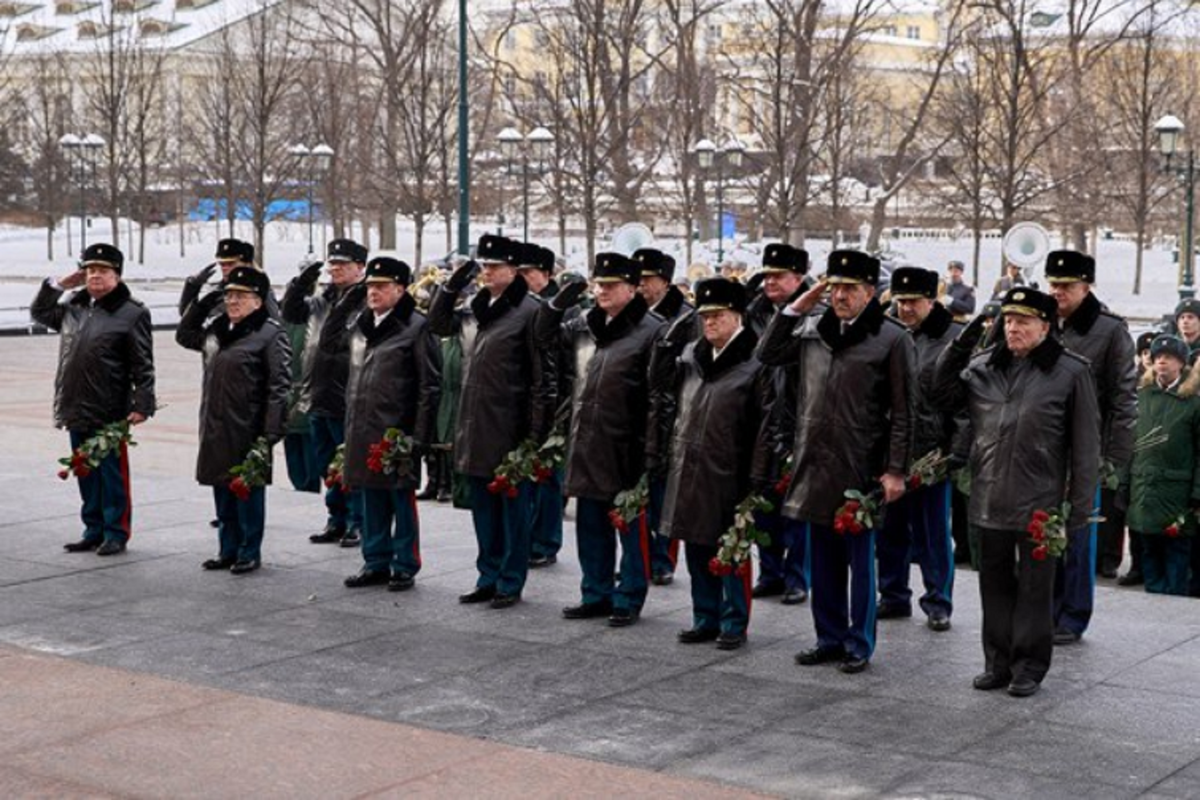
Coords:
pixel 673 552
pixel 748 590
pixel 123 461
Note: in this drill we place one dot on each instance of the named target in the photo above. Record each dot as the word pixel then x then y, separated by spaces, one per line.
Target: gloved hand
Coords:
pixel 462 276
pixel 202 277
pixel 311 273
pixel 568 296
pixel 211 300
pixel 970 335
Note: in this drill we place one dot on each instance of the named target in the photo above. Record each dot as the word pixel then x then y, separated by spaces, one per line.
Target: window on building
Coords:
pixel 11 10
pixel 131 6
pixel 28 32
pixel 191 5
pixel 510 40
pixel 889 30
pixel 65 7
pixel 913 32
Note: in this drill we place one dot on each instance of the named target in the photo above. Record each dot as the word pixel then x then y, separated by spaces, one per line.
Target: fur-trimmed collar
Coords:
pixel 868 324
pixel 1189 386
pixel 1085 316
pixel 486 312
pixel 393 322
pixel 629 317
pixel 936 323
pixel 110 302
pixel 736 351
pixel 227 334
pixel 1044 356
pixel 672 303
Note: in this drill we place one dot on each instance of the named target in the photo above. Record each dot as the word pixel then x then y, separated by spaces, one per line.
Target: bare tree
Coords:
pixel 44 112
pixel 918 141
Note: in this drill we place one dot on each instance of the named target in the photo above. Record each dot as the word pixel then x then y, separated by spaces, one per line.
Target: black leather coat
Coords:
pixel 508 383
pixel 853 416
pixel 1103 339
pixel 719 447
pixel 105 356
pixel 247 372
pixel 610 395
pixel 1036 428
pixel 329 315
pixel 395 382
pixel 934 427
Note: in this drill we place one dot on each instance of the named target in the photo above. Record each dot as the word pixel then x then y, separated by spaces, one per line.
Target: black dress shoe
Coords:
pixel 601 608
pixel 1131 578
pixel 242 567
pixel 401 582
pixel 662 578
pixel 853 665
pixel 367 577
pixel 893 611
pixel 697 635
pixel 331 534
pixel 1107 572
pixel 622 618
pixel 353 538
pixel 444 496
pixel 542 561
pixel 82 546
pixel 1023 687
pixel 481 594
pixel 218 563
pixel 989 681
pixel 111 547
pixel 1065 636
pixel 428 493
pixel 730 641
pixel 938 622
pixel 772 589
pixel 502 600
pixel 214 523
pixel 793 597
pixel 820 655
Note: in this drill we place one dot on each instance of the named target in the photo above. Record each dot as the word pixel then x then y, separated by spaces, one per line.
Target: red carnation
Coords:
pixel 239 488
pixel 839 525
pixel 1172 530
pixel 64 474
pixel 783 485
pixel 1040 516
pixel 1040 552
pixel 743 569
pixel 852 506
pixel 83 470
pixel 855 526
pixel 1037 529
pixel 511 492
pixel 715 566
pixel 914 482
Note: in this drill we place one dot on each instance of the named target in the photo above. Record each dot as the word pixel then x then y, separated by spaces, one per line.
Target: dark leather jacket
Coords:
pixel 933 427
pixel 610 395
pixel 247 372
pixel 105 356
pixel 719 448
pixel 329 315
pixel 508 383
pixel 395 382
pixel 853 420
pixel 1036 428
pixel 673 305
pixel 1103 339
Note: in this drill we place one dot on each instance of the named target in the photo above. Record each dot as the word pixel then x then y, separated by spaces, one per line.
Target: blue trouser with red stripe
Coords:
pixel 917 527
pixel 391 531
pixel 844 619
pixel 1075 579
pixel 502 533
pixel 343 506
pixel 546 527
pixel 664 551
pixel 597 543
pixel 717 601
pixel 107 510
pixel 786 559
pixel 240 523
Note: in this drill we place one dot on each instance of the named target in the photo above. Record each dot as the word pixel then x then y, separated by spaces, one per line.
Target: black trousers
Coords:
pixel 1018 605
pixel 1110 545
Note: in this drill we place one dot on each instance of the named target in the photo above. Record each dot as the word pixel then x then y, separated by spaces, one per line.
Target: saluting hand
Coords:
pixel 74 280
pixel 569 295
pixel 462 276
pixel 971 333
pixel 203 275
pixel 893 487
pixel 808 301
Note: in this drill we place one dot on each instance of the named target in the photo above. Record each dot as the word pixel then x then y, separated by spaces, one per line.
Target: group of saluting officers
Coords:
pixel 799 391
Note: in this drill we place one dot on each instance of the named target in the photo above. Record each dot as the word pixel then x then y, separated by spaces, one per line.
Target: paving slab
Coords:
pixel 143 676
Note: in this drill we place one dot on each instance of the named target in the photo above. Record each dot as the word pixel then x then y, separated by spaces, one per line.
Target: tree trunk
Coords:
pixel 418 238
pixel 878 220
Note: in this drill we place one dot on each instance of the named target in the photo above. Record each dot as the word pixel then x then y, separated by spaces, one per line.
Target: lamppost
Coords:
pixel 513 146
pixel 318 160
pixel 82 153
pixel 710 156
pixel 1169 129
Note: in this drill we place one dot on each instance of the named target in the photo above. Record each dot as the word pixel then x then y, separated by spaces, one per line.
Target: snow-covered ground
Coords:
pixel 157 281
